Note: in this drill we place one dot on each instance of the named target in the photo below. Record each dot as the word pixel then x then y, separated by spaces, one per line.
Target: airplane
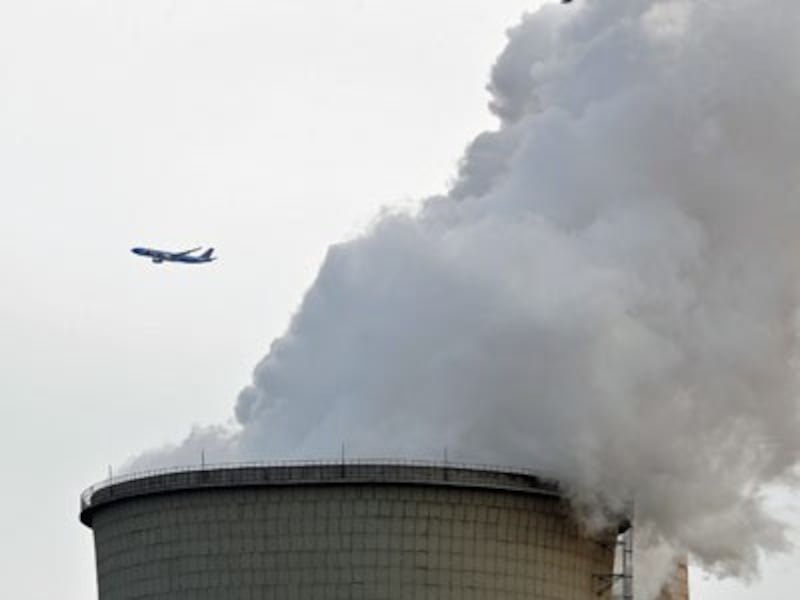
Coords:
pixel 159 256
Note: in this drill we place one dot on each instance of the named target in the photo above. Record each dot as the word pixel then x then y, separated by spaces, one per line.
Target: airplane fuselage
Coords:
pixel 160 256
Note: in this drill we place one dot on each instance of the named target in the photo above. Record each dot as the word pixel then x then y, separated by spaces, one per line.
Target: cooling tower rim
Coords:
pixel 314 472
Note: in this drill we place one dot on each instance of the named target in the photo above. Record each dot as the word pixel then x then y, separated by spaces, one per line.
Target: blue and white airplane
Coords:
pixel 159 256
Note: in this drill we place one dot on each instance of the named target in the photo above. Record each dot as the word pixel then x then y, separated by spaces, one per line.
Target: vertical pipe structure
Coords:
pixel 676 588
pixel 627 564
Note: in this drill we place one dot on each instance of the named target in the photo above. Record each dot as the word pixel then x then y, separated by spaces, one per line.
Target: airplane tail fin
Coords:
pixel 207 255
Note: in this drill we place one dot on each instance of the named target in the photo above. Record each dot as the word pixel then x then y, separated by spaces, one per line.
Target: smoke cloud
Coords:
pixel 609 293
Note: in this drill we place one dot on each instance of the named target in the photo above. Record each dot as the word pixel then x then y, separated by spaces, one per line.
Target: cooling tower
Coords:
pixel 342 531
pixel 677 588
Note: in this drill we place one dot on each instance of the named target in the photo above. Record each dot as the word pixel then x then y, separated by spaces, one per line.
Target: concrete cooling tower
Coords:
pixel 677 588
pixel 343 531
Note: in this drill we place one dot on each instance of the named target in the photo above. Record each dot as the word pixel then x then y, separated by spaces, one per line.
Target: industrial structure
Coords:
pixel 326 531
pixel 677 587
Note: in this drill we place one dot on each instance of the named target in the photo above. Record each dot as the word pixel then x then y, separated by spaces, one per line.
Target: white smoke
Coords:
pixel 608 293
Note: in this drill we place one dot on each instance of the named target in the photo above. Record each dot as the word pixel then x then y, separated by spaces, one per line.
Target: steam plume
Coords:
pixel 608 293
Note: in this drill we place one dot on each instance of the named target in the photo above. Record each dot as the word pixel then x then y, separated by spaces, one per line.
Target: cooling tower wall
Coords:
pixel 329 532
pixel 677 587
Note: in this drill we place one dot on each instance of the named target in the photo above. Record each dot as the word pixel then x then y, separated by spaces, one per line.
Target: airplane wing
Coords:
pixel 185 252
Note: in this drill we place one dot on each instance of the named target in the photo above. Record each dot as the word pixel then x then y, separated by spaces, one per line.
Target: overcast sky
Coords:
pixel 266 129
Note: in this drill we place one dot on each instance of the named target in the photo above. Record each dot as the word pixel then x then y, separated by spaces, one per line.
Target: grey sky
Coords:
pixel 266 129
